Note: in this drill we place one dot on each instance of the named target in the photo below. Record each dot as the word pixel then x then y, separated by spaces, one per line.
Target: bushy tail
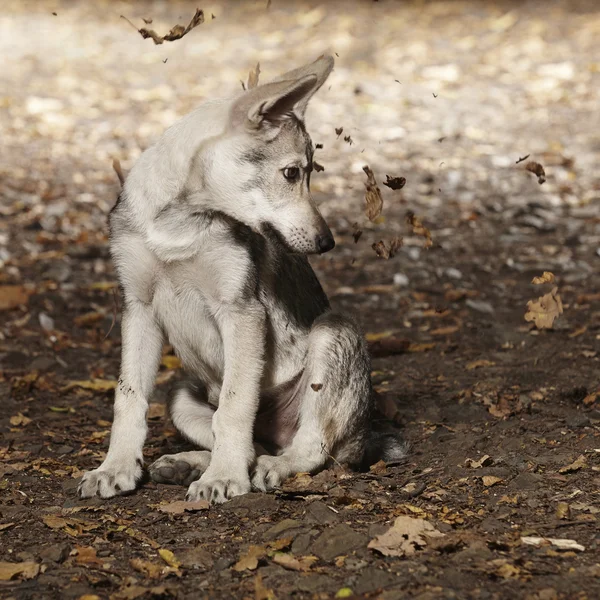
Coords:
pixel 384 445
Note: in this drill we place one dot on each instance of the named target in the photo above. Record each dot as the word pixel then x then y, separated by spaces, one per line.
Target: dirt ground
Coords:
pixel 503 419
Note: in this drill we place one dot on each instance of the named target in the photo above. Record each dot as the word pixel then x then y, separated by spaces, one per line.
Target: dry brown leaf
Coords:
pixel 156 410
pixel 181 506
pixel 562 510
pixel 490 480
pixel 419 229
pixel 384 252
pixel 339 130
pixel 547 277
pixel 576 465
pixel 318 167
pixel 88 318
pixel 591 398
pixel 478 364
pixel 544 310
pixel 70 525
pixel 290 562
pixel 13 296
pixel 87 556
pixel 249 561
pixel 149 569
pixel 356 233
pixel 421 347
pixel 507 571
pixel 537 170
pixel 316 386
pixel 445 330
pixel 169 558
pixel 261 592
pixel 19 419
pixel 348 139
pixel 24 570
pixel 373 199
pixel 4 526
pixel 176 32
pixel 96 385
pixel 484 461
pixel 253 77
pixel 404 537
pixel 394 183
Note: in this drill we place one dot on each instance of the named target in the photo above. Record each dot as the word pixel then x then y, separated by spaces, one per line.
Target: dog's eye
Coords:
pixel 291 173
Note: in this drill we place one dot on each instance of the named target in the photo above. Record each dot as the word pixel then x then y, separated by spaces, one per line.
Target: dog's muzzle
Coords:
pixel 325 242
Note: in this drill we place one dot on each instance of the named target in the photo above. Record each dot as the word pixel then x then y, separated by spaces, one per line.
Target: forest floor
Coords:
pixel 503 419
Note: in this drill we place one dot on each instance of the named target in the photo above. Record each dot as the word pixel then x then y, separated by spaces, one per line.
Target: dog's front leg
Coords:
pixel 227 475
pixel 123 465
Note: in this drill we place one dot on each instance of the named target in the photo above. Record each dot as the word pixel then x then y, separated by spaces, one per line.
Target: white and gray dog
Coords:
pixel 209 238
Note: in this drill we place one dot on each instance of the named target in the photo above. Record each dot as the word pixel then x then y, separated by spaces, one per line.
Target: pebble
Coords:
pixel 400 279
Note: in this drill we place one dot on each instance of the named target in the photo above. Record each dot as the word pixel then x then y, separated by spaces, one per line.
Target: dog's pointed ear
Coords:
pixel 287 95
pixel 320 68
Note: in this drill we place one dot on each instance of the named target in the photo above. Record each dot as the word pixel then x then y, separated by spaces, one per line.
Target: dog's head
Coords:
pixel 260 168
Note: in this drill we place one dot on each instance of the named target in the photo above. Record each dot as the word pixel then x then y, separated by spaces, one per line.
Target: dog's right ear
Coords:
pixel 272 103
pixel 285 96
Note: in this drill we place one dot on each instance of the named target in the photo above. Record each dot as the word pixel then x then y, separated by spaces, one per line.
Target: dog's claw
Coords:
pixel 107 482
pixel 217 491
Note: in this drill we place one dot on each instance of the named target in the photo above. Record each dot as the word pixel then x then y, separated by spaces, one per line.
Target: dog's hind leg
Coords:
pixel 192 417
pixel 334 404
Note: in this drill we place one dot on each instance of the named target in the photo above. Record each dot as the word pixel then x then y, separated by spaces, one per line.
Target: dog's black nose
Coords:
pixel 325 243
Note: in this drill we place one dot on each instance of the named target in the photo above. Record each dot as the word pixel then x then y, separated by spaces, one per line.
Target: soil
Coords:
pixel 449 95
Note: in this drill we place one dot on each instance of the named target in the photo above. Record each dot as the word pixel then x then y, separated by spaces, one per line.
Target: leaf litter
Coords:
pixel 405 537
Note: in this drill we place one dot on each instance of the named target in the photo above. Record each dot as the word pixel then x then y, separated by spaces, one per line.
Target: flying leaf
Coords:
pixel 394 183
pixel 253 77
pixel 404 537
pixel 176 32
pixel 545 310
pixel 419 229
pixel 387 252
pixel 537 170
pixel 373 198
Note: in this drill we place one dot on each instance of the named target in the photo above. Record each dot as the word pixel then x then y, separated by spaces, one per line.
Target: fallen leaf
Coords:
pixel 507 571
pixel 404 537
pixel 181 506
pixel 19 419
pixel 537 170
pixel 445 330
pixel 547 277
pixel 484 461
pixel 562 510
pixel 24 570
pixel 87 556
pixel 4 526
pixel 578 464
pixel 261 592
pixel 151 569
pixel 249 561
pixel 170 361
pixel 176 32
pixel 13 296
pixel 253 77
pixel 316 386
pixel 591 398
pixel 560 543
pixel 69 525
pixel 88 318
pixel 478 364
pixel 490 480
pixel 96 385
pixel 169 558
pixel 290 562
pixel 394 183
pixel 373 199
pixel 419 229
pixel 156 410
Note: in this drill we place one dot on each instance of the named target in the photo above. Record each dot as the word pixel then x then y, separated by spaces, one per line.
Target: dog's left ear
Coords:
pixel 287 95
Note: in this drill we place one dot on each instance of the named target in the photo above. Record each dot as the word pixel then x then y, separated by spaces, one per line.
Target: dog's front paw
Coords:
pixel 270 472
pixel 217 489
pixel 110 480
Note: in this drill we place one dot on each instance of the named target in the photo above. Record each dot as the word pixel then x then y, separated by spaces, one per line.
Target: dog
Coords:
pixel 210 238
